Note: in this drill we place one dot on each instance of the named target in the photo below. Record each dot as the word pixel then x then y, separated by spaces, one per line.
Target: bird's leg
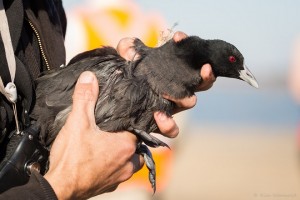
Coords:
pixel 143 150
pixel 148 139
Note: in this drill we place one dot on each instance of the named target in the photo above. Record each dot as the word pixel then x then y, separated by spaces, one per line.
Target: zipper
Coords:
pixel 40 44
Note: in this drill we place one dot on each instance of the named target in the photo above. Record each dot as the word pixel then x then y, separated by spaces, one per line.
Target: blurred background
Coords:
pixel 238 142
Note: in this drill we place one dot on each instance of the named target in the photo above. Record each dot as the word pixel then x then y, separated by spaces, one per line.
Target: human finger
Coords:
pixel 208 78
pixel 166 125
pixel 126 49
pixel 179 35
pixel 84 98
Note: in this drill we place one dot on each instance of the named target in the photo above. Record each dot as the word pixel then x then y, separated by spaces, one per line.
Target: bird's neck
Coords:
pixel 214 47
pixel 195 51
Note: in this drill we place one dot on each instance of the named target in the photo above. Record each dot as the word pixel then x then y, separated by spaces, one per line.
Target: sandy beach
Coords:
pixel 229 163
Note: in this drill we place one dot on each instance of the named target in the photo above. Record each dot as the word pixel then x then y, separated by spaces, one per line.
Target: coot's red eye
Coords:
pixel 232 59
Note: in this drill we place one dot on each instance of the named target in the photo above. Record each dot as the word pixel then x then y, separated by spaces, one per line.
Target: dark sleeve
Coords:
pixel 36 188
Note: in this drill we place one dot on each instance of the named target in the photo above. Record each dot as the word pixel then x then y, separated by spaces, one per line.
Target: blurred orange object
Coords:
pixel 163 158
pixel 98 23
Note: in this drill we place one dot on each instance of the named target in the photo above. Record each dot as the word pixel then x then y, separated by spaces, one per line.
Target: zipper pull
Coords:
pixel 11 91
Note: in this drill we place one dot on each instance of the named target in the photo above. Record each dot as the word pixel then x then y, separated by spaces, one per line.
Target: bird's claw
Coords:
pixel 143 150
pixel 148 139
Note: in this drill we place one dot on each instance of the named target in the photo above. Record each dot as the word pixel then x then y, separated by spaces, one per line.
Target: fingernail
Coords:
pixel 178 36
pixel 162 116
pixel 86 77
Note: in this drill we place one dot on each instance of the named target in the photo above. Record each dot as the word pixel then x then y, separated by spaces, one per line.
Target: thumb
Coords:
pixel 84 98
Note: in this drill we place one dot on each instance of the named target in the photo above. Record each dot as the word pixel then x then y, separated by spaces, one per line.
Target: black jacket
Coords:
pixel 37 29
pixel 31 22
pixel 36 188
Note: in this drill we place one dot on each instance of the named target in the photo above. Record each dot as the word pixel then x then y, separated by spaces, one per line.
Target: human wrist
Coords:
pixel 61 185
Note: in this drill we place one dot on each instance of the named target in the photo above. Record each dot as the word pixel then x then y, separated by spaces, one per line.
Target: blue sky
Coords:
pixel 264 31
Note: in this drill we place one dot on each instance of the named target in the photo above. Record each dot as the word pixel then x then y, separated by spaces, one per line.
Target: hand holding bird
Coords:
pixel 132 91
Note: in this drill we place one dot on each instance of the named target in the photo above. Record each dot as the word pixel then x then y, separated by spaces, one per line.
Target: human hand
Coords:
pixel 167 125
pixel 85 161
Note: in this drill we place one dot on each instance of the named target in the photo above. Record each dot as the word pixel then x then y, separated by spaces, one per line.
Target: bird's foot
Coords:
pixel 149 139
pixel 143 150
